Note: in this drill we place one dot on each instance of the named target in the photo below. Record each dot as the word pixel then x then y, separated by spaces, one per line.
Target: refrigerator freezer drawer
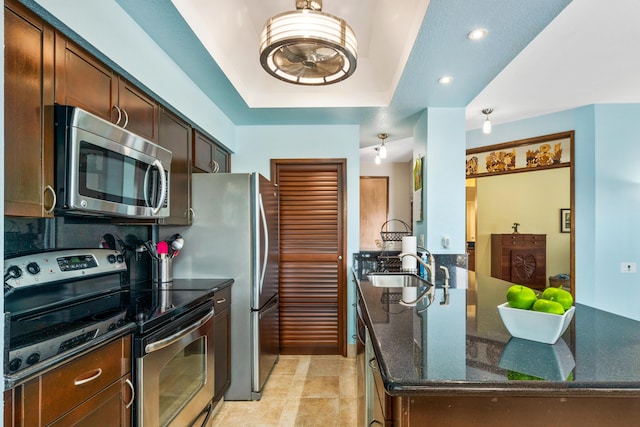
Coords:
pixel 266 345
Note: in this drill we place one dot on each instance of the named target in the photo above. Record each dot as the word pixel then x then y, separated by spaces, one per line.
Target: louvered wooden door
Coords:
pixel 312 262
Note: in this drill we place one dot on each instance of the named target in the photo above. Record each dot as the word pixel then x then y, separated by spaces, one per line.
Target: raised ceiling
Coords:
pixel 538 57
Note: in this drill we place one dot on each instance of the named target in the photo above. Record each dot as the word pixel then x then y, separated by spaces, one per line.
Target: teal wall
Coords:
pixel 440 140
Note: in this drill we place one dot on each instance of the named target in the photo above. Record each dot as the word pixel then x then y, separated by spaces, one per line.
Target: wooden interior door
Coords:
pixel 312 255
pixel 374 209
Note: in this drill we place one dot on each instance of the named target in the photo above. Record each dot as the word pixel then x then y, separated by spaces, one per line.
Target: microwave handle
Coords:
pixel 163 186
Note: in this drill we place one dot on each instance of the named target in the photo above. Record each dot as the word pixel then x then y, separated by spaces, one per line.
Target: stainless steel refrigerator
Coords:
pixel 234 234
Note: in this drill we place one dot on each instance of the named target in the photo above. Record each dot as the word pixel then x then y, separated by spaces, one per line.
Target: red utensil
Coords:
pixel 163 248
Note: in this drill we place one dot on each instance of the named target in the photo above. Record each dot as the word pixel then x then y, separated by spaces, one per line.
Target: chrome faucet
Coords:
pixel 430 266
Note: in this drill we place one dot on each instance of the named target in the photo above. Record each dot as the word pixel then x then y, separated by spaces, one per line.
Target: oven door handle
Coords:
pixel 166 342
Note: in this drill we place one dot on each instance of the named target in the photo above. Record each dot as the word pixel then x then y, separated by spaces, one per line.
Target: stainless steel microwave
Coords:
pixel 103 169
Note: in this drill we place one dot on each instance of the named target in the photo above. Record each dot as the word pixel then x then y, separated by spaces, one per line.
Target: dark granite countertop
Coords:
pixel 463 347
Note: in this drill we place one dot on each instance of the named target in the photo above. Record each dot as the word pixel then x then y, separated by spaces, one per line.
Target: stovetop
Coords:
pixel 152 307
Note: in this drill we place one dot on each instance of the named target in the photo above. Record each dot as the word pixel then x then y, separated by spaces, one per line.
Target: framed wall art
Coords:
pixel 565 220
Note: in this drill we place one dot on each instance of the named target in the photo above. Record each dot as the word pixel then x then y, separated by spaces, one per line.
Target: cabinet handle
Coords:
pixel 133 393
pixel 126 119
pixel 192 212
pixel 211 166
pixel 221 300
pixel 55 199
pixel 119 114
pixel 216 167
pixel 95 374
pixel 375 422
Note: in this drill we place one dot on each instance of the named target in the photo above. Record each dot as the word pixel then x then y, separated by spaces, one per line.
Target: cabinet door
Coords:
pixel 175 135
pixel 221 159
pixel 208 156
pixel 222 342
pixel 111 405
pixel 202 153
pixel 28 115
pixel 83 81
pixel 139 111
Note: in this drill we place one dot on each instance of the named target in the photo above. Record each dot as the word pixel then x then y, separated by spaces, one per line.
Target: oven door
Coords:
pixel 175 373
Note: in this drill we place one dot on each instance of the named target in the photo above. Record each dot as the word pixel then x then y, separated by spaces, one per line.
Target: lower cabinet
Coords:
pixel 86 391
pixel 222 343
pixel 378 403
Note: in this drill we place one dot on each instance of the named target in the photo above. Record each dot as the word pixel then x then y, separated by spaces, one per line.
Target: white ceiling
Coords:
pixel 385 30
pixel 539 57
pixel 587 55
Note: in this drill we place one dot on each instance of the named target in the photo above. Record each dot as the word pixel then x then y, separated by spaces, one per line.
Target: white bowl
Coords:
pixel 535 325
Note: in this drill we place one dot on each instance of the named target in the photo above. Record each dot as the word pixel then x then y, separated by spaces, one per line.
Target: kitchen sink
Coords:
pixel 396 280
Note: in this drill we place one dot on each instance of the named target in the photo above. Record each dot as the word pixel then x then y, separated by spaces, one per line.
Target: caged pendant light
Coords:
pixel 308 46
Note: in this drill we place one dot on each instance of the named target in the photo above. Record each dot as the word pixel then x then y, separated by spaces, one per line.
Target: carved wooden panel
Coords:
pixel 519 258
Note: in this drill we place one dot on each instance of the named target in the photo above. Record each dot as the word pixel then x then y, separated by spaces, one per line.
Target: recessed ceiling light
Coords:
pixel 445 80
pixel 477 34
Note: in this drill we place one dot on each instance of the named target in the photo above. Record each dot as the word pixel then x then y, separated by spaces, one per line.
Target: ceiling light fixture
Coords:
pixel 378 160
pixel 383 150
pixel 308 46
pixel 445 80
pixel 477 34
pixel 486 126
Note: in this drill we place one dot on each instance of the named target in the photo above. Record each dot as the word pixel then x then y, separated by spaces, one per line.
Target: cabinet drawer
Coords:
pixel 222 299
pixel 522 239
pixel 69 385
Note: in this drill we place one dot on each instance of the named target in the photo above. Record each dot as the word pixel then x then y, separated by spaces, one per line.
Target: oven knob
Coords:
pixel 14 272
pixel 111 258
pixel 14 365
pixel 33 359
pixel 111 327
pixel 120 258
pixel 120 323
pixel 33 268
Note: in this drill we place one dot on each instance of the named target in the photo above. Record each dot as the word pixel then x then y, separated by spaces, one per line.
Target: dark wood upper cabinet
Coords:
pixel 83 81
pixel 175 135
pixel 28 113
pixel 208 156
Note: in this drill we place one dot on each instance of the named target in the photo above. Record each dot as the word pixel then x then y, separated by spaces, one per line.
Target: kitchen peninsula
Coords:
pixel 454 363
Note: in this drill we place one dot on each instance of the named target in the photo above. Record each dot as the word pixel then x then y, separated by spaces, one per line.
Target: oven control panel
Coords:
pixel 55 266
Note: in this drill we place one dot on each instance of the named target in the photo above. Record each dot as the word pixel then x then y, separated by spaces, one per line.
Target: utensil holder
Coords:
pixel 162 274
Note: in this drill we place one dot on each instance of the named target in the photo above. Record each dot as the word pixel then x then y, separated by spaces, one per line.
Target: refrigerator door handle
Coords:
pixel 263 217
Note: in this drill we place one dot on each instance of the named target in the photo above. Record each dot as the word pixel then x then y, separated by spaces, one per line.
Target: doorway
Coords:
pixel 374 209
pixel 312 255
pixel 528 199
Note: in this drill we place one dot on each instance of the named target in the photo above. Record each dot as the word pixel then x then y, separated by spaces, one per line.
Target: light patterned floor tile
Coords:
pixel 302 391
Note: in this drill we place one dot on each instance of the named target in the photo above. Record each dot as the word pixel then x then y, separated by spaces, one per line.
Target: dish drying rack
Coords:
pixel 388 238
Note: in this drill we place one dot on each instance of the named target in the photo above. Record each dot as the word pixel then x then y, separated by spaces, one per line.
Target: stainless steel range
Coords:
pixel 60 303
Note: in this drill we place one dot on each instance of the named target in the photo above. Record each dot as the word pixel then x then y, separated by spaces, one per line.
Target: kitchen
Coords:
pixel 251 155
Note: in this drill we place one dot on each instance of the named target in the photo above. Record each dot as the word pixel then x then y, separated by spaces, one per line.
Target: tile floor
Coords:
pixel 303 391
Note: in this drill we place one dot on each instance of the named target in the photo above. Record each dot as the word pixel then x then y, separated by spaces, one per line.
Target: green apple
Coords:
pixel 548 306
pixel 519 296
pixel 558 295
